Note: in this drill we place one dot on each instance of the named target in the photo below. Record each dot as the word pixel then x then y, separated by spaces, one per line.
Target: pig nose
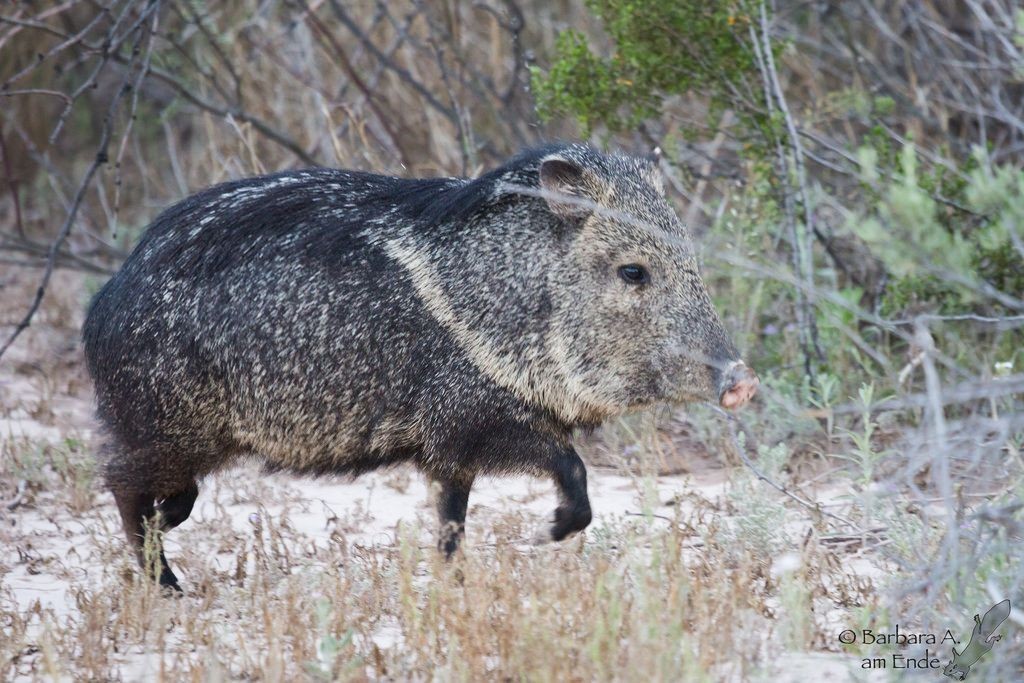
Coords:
pixel 739 384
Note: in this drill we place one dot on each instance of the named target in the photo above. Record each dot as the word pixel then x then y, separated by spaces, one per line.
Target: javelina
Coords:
pixel 334 322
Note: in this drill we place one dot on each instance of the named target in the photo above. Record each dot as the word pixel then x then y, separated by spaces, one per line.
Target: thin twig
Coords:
pixel 99 160
pixel 12 183
pixel 403 74
pixel 259 124
pixel 383 119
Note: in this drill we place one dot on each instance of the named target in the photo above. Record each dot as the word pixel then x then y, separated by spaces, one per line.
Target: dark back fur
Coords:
pixel 263 316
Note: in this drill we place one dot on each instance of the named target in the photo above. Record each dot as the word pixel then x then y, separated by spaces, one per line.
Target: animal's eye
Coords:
pixel 634 274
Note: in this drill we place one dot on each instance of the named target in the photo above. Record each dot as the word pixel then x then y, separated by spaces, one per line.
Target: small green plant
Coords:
pixel 864 457
pixel 759 512
pixel 329 647
pixel 822 394
pixel 796 602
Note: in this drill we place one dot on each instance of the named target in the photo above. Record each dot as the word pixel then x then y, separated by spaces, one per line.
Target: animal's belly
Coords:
pixel 331 438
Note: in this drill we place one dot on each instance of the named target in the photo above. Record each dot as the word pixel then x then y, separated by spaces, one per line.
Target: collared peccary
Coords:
pixel 334 322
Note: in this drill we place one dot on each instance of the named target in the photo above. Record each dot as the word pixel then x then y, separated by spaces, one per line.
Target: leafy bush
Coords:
pixel 661 49
pixel 942 264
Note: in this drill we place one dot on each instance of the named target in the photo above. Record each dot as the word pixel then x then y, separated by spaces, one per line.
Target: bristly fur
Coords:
pixel 332 321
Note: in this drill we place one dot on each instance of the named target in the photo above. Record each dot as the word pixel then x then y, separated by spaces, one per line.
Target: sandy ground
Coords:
pixel 54 554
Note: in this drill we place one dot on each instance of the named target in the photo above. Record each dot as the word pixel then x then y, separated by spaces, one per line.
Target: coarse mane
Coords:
pixel 437 201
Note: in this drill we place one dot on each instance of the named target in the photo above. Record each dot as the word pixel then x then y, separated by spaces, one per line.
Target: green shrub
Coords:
pixel 661 49
pixel 937 263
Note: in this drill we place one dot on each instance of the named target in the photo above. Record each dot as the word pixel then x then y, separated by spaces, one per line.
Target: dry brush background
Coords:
pixel 868 262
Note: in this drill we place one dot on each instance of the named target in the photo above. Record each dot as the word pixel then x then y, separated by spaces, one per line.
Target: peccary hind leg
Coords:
pixel 137 513
pixel 451 510
pixel 175 509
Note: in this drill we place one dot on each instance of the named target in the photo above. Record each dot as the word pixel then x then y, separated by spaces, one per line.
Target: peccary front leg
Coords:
pixel 573 513
pixel 451 510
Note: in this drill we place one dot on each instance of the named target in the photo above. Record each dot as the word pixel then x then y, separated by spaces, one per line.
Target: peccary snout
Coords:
pixel 738 385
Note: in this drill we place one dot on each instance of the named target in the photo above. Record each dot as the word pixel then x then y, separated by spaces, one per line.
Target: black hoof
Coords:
pixel 169 582
pixel 451 537
pixel 448 547
pixel 569 521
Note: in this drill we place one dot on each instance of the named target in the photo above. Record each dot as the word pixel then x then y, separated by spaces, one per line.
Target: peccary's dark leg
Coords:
pixel 573 513
pixel 451 510
pixel 137 512
pixel 175 509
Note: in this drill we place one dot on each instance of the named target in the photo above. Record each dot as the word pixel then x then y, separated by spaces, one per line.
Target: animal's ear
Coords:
pixel 564 186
